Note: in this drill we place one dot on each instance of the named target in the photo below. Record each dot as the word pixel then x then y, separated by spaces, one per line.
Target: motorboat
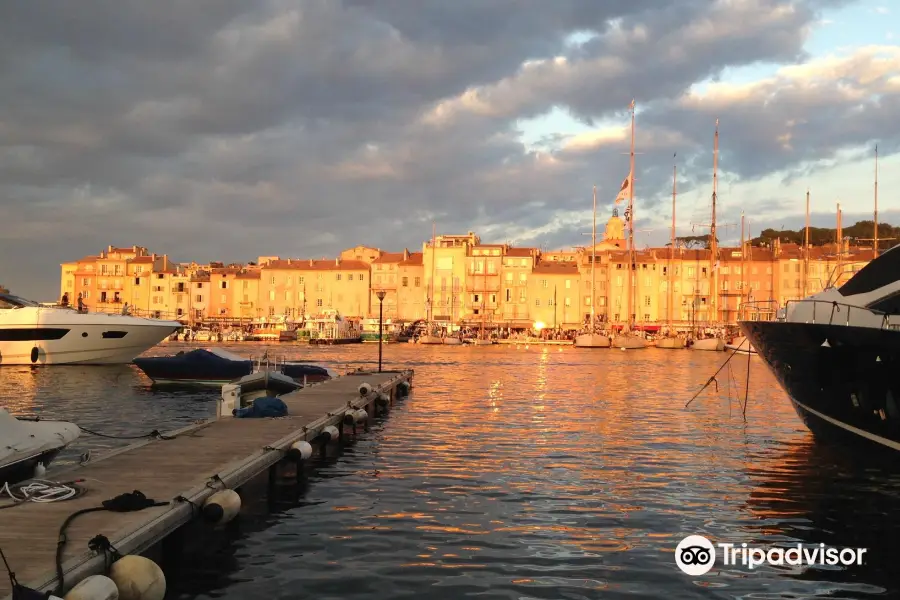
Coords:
pixel 202 366
pixel 28 443
pixel 216 367
pixel 35 334
pixel 836 354
pixel 243 391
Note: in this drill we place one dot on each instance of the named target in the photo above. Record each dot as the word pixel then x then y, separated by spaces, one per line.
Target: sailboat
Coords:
pixel 671 341
pixel 481 340
pixel 713 344
pixel 429 337
pixel 628 340
pixel 593 338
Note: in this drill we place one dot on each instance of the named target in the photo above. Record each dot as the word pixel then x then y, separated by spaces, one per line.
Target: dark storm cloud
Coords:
pixel 228 129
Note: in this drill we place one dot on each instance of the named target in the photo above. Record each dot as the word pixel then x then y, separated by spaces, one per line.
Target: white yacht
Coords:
pixel 32 334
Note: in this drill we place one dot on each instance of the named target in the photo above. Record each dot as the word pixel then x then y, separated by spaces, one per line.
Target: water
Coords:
pixel 546 472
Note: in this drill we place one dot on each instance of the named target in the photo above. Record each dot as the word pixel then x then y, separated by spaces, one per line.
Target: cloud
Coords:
pixel 227 130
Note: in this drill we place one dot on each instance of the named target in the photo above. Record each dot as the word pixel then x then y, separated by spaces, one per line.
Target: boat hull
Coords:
pixel 432 340
pixel 708 344
pixel 175 370
pixel 481 342
pixel 670 343
pixel 24 469
pixel 86 342
pixel 629 342
pixel 335 341
pixel 843 381
pixel 592 340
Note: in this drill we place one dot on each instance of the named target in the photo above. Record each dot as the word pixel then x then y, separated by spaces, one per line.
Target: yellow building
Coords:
pixel 445 275
pixel 401 275
pixel 553 292
pixel 288 287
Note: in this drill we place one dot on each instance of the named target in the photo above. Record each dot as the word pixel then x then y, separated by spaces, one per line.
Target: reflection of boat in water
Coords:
pixel 836 354
pixel 25 443
pixel 817 494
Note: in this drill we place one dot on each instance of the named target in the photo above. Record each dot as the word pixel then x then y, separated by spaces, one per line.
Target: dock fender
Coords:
pixel 365 389
pixel 331 433
pixel 403 387
pixel 138 578
pixel 222 507
pixel 94 587
pixel 361 415
pixel 35 354
pixel 300 450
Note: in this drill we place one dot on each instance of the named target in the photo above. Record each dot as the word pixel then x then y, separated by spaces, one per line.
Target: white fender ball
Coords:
pixel 138 578
pixel 383 399
pixel 222 506
pixel 331 432
pixel 94 587
pixel 365 389
pixel 403 387
pixel 361 415
pixel 301 450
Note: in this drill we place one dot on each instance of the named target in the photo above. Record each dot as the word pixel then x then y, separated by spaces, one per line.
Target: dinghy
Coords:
pixel 24 444
pixel 242 392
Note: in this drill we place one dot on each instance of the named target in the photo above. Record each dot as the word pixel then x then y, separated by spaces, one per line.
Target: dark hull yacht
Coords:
pixel 837 355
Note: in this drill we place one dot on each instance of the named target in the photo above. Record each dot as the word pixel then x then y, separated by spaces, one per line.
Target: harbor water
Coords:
pixel 521 472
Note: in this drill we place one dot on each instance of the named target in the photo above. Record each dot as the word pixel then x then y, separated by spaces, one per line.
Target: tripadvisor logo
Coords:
pixel 695 555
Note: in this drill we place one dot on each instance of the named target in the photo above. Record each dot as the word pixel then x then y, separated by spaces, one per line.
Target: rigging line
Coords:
pixel 747 382
pixel 712 379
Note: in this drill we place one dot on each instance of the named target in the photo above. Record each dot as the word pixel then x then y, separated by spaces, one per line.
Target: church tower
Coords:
pixel 615 230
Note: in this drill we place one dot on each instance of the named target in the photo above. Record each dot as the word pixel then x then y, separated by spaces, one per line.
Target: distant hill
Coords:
pixel 819 236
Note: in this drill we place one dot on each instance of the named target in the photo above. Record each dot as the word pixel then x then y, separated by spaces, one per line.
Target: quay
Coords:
pixel 182 468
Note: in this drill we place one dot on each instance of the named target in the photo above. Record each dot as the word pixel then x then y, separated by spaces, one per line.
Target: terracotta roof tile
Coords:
pixel 415 260
pixel 318 265
pixel 555 268
pixel 522 252
pixel 389 258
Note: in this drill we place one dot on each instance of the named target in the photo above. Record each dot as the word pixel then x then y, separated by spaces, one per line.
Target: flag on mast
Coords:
pixel 623 191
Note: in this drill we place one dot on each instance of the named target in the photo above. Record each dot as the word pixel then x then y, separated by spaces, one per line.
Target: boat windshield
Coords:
pixel 10 301
pixel 225 354
pixel 882 271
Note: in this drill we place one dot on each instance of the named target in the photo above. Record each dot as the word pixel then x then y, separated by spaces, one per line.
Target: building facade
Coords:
pixel 459 281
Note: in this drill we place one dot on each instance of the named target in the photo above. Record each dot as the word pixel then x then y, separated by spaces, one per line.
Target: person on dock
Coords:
pixel 65 300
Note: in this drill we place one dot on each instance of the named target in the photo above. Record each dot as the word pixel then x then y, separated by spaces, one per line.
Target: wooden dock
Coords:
pixel 198 461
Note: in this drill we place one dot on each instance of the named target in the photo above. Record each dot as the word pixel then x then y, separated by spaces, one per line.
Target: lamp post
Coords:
pixel 380 294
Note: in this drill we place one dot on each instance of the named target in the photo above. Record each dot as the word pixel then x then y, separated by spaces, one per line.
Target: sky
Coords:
pixel 232 129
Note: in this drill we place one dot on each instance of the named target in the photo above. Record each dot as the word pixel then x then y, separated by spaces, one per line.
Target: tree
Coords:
pixel 693 241
pixel 819 236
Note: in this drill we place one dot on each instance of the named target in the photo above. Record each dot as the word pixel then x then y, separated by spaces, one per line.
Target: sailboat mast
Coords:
pixel 713 246
pixel 593 259
pixel 840 242
pixel 431 279
pixel 876 201
pixel 806 251
pixel 742 260
pixel 483 291
pixel 671 299
pixel 631 291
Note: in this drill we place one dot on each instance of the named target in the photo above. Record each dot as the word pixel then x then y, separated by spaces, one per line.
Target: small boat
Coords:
pixel 242 392
pixel 592 340
pixel 452 341
pixel 216 367
pixel 711 344
pixel 670 343
pixel 27 443
pixel 482 342
pixel 629 342
pixel 740 345
pixel 203 366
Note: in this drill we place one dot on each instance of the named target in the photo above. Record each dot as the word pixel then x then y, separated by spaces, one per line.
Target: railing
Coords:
pixel 118 310
pixel 824 312
pixel 759 310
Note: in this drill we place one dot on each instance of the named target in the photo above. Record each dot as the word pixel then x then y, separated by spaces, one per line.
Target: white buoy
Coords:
pixel 360 415
pixel 138 578
pixel 222 506
pixel 301 450
pixel 331 432
pixel 382 400
pixel 365 389
pixel 95 587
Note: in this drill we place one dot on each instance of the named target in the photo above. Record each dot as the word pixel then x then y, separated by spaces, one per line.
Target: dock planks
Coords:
pixel 200 460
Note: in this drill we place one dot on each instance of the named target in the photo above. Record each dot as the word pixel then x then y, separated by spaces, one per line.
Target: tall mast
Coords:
pixel 483 291
pixel 671 298
pixel 631 291
pixel 806 251
pixel 593 259
pixel 713 249
pixel 876 201
pixel 431 279
pixel 742 261
pixel 840 241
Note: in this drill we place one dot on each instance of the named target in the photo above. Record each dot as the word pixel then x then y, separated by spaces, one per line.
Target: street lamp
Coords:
pixel 380 294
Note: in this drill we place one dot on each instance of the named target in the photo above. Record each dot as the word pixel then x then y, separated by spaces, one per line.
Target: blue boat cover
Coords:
pixel 265 406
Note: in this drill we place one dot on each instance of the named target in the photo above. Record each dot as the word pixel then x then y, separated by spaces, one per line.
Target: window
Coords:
pixel 646 303
pixel 587 300
pixel 537 301
pixel 404 281
pixel 137 281
pixel 568 284
pixel 287 296
pixel 199 286
pixel 224 299
pixel 508 295
pixel 301 280
pixel 319 302
pixel 271 311
pixel 543 283
pixel 225 284
pixel 417 281
pixel 568 301
pixel 198 298
pixel 337 277
pixel 361 277
pixel 349 276
pixel 272 280
pixel 271 294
